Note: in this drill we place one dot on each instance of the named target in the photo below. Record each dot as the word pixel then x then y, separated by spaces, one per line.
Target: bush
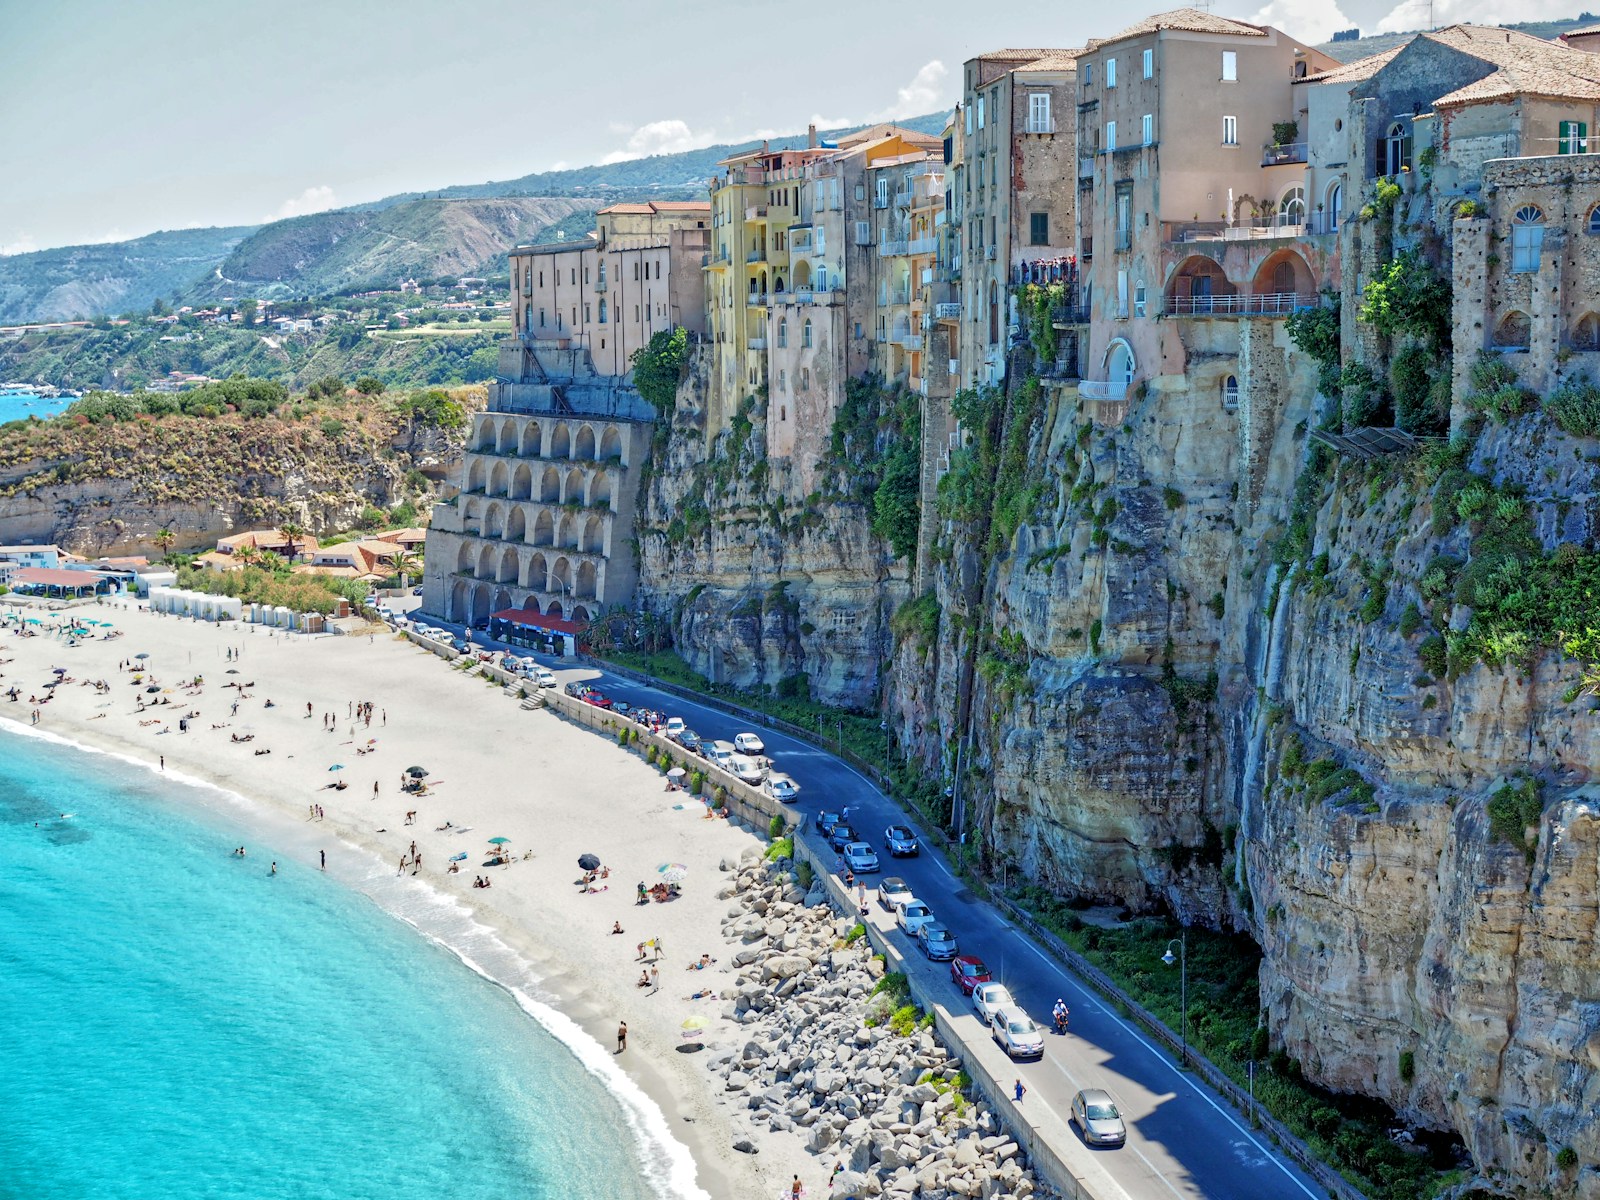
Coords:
pixel 782 848
pixel 904 1020
pixel 1566 1158
pixel 367 385
pixel 1408 296
pixel 1575 406
pixel 1173 498
pixel 1361 397
pixel 1377 599
pixel 776 826
pixel 1416 398
pixel 1408 1065
pixel 658 368
pixel 1410 620
pixel 804 874
pixel 1434 655
pixel 1512 808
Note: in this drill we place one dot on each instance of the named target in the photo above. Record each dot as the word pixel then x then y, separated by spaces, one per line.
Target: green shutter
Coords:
pixel 1582 137
pixel 1564 137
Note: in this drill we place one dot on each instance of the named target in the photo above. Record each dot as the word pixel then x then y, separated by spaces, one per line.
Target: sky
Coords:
pixel 118 118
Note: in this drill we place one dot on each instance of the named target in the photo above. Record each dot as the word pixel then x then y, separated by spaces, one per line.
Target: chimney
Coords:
pixel 811 136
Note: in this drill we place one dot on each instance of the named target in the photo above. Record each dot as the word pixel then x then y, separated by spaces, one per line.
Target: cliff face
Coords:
pixel 761 589
pixel 108 489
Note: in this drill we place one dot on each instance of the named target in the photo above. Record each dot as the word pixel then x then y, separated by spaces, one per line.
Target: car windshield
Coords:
pixel 894 887
pixel 1102 1112
pixel 974 969
pixel 1021 1027
pixel 938 935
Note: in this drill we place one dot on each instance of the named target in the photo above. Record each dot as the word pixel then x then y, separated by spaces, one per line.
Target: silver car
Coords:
pixel 1017 1034
pixel 1098 1119
pixel 782 788
pixel 860 858
pixel 990 998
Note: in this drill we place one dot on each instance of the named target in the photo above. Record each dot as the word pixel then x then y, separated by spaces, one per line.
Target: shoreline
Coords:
pixel 676 1118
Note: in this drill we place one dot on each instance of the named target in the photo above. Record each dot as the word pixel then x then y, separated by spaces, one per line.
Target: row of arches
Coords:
pixel 534 525
pixel 1514 331
pixel 578 577
pixel 523 481
pixel 472 603
pixel 528 438
pixel 1199 284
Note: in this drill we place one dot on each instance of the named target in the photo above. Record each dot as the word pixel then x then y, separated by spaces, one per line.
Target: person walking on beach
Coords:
pixel 274 870
pixel 374 789
pixel 324 855
pixel 163 762
pixel 404 859
pixel 795 1189
pixel 655 978
pixel 622 1037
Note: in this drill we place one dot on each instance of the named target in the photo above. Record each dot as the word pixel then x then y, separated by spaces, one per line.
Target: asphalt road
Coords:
pixel 1183 1139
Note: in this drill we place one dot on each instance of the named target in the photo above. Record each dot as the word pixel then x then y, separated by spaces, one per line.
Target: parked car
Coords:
pixel 544 677
pixel 689 740
pixel 1017 1034
pixel 416 591
pixel 901 842
pixel 826 820
pixel 597 699
pixel 674 727
pixel 746 770
pixel 912 916
pixel 894 892
pixel 720 753
pixel 860 858
pixel 748 743
pixel 937 942
pixel 576 690
pixel 1097 1118
pixel 968 973
pixel 782 788
pixel 990 998
pixel 841 835
pixel 621 708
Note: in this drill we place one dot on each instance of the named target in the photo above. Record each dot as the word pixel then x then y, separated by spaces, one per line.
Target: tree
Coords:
pixel 164 539
pixel 658 368
pixel 159 307
pixel 405 563
pixel 290 531
pixel 367 385
pixel 247 313
pixel 271 560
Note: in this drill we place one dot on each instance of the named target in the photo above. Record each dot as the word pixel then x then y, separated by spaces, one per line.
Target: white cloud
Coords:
pixel 23 245
pixel 312 200
pixel 925 93
pixel 1305 20
pixel 661 137
pixel 1413 14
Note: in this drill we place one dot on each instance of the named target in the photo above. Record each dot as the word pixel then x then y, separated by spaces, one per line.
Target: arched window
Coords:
pixel 1335 206
pixel 1514 332
pixel 805 334
pixel 602 310
pixel 1594 219
pixel 783 332
pixel 1292 208
pixel 1527 238
pixel 1230 392
pixel 602 270
pixel 1586 333
pixel 1397 150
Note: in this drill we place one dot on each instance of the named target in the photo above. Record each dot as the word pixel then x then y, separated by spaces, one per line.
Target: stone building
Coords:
pixel 640 273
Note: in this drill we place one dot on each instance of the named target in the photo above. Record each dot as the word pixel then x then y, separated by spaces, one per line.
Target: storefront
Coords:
pixel 531 630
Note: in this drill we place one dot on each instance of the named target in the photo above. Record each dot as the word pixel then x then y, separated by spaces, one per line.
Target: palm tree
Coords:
pixel 248 556
pixel 290 531
pixel 271 560
pixel 405 563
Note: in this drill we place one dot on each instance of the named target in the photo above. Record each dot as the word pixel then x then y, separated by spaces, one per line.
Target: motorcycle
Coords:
pixel 1061 1023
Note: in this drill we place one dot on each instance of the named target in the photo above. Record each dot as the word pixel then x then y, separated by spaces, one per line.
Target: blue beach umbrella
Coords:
pixel 337 767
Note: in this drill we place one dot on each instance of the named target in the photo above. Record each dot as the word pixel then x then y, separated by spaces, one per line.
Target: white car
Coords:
pixel 674 727
pixel 1017 1034
pixel 720 753
pixel 746 770
pixel 748 743
pixel 544 677
pixel 990 998
pixel 861 858
pixel 894 892
pixel 781 787
pixel 912 916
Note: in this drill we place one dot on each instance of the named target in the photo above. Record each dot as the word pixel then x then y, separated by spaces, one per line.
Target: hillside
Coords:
pixel 330 252
pixel 1379 42
pixel 82 281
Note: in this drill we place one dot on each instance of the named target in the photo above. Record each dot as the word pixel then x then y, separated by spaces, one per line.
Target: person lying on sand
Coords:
pixel 700 995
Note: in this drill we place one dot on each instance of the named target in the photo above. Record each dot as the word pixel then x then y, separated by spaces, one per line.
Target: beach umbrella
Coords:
pixel 337 767
pixel 230 671
pixel 676 773
pixel 665 867
pixel 675 873
pixel 499 841
pixel 458 857
pixel 141 656
pixel 416 772
pixel 694 1029
pixel 589 862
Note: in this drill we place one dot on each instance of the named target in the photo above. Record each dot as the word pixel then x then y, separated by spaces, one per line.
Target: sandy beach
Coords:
pixel 555 790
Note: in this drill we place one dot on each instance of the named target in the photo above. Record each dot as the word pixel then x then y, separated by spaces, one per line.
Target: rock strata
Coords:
pixel 814 1055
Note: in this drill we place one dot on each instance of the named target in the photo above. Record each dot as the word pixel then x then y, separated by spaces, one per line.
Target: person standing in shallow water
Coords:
pixel 622 1037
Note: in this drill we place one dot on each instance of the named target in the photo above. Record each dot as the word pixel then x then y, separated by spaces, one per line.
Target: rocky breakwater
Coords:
pixel 830 1049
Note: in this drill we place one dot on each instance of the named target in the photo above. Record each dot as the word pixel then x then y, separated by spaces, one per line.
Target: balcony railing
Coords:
pixel 1097 389
pixel 1124 239
pixel 881 201
pixel 912 341
pixel 1069 314
pixel 1284 225
pixel 1036 125
pixel 1277 156
pixel 1265 304
pixel 755 212
pixel 892 249
pixel 902 198
pixel 947 308
pixel 756 343
pixel 756 256
pixel 922 245
pixel 599 286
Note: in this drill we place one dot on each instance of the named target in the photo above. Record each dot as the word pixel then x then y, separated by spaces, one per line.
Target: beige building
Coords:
pixel 640 273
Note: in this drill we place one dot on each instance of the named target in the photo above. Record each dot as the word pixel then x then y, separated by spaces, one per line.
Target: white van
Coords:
pixel 747 769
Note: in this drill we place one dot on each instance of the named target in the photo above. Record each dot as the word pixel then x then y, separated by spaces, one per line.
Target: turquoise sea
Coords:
pixel 177 1022
pixel 15 405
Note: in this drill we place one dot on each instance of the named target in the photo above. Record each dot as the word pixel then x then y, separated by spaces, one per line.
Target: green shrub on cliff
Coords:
pixel 658 368
pixel 1575 406
pixel 1513 808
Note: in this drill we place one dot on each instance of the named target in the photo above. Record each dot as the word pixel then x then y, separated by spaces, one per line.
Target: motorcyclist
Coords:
pixel 1059 1012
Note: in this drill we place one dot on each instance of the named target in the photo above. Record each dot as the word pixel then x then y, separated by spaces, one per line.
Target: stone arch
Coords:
pixel 583 444
pixel 482 602
pixel 530 602
pixel 1586 333
pixel 499 480
pixel 802 275
pixel 566 531
pixel 610 444
pixel 554 610
pixel 530 445
pixel 516 524
pixel 587 580
pixel 502 601
pixel 561 573
pixel 1120 362
pixel 1196 285
pixel 594 536
pixel 600 489
pixel 580 614
pixel 550 486
pixel 522 482
pixel 508 437
pixel 1230 392
pixel 560 442
pixel 1283 273
pixel 485 569
pixel 460 607
pixel 544 529
pixel 510 566
pixel 466 558
pixel 477 476
pixel 572 486
pixel 1514 332
pixel 484 435
pixel 494 521
pixel 537 575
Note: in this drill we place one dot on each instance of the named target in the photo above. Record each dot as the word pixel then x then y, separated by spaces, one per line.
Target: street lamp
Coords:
pixel 1182 959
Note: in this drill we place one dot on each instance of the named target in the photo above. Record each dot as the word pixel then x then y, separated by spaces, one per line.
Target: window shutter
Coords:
pixel 1564 137
pixel 1380 156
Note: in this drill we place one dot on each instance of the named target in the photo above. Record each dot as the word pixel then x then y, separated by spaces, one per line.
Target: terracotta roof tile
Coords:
pixel 1355 72
pixel 1183 20
pixel 1525 66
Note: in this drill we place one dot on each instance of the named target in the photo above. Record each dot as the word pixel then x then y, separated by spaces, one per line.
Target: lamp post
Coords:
pixel 1182 959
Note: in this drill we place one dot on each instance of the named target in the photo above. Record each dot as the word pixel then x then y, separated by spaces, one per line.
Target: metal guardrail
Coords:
pixel 1266 304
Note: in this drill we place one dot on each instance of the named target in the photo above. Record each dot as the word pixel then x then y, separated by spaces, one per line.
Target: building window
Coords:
pixel 1147 126
pixel 1038 229
pixel 1111 72
pixel 1230 64
pixel 1527 238
pixel 805 379
pixel 805 334
pixel 541 318
pixel 1335 205
pixel 1149 60
pixel 783 332
pixel 1124 213
pixel 1230 131
pixel 527 316
pixel 1395 149
pixel 603 270
pixel 1138 299
pixel 1230 393
pixel 1594 220
pixel 969 127
pixel 1039 113
pixel 1292 208
pixel 1111 136
pixel 783 381
pixel 1122 293
pixel 1088 74
pixel 1573 137
pixel 588 314
pixel 980 112
pixel 602 311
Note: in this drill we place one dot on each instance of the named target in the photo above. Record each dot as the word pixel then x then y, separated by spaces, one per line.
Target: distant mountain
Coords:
pixel 453 231
pixel 1377 43
pixel 84 281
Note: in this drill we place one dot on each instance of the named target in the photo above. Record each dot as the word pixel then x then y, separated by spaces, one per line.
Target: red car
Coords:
pixel 968 973
pixel 596 699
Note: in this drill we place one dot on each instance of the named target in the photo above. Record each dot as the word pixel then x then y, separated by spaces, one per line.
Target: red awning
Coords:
pixel 535 620
pixel 50 577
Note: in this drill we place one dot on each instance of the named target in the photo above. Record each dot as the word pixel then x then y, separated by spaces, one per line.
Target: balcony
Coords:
pixel 1045 126
pixel 756 343
pixel 1281 226
pixel 1069 314
pixel 758 300
pixel 756 256
pixel 990 253
pixel 1096 389
pixel 1124 240
pixel 881 200
pixel 922 245
pixel 755 212
pixel 947 309
pixel 599 287
pixel 1281 155
pixel 902 198
pixel 912 341
pixel 892 249
pixel 1265 304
